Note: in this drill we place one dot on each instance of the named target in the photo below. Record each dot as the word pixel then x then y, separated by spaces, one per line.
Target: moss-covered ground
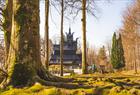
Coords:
pixel 91 84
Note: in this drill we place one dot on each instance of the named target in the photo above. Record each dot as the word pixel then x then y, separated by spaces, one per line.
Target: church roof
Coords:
pixel 70 48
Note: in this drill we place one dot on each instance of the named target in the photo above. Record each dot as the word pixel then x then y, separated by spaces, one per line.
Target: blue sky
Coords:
pixel 98 30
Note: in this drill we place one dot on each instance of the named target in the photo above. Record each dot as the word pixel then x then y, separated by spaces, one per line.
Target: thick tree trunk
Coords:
pixel 47 34
pixel 62 38
pixel 24 62
pixel 84 62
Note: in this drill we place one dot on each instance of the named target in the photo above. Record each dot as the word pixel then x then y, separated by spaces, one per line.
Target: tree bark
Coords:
pixel 47 34
pixel 135 61
pixel 7 25
pixel 84 62
pixel 24 61
pixel 62 38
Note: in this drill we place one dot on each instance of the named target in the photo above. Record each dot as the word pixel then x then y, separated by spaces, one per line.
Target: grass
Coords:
pixel 96 84
pixel 37 89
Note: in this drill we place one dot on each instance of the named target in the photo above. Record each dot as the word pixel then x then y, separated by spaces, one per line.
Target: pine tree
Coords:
pixel 121 52
pixel 102 58
pixel 114 51
pixel 102 54
pixel 117 53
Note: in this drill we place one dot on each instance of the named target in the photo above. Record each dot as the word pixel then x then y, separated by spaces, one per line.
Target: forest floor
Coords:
pixel 91 84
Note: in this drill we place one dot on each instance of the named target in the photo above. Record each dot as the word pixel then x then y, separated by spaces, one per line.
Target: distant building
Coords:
pixel 70 57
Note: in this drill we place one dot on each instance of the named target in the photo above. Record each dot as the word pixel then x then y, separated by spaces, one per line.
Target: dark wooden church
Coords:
pixel 70 56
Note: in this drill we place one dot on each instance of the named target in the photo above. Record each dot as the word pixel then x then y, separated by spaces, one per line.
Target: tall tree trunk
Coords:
pixel 7 25
pixel 24 61
pixel 84 62
pixel 47 34
pixel 62 38
pixel 135 61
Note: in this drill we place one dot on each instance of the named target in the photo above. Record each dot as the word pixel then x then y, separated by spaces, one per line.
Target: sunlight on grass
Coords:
pixel 37 89
pixel 88 85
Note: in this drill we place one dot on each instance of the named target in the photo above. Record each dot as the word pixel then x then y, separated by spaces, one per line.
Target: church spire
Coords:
pixel 69 30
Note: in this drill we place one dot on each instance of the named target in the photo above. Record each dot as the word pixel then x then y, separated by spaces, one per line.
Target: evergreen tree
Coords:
pixel 102 58
pixel 117 53
pixel 102 54
pixel 114 52
pixel 121 52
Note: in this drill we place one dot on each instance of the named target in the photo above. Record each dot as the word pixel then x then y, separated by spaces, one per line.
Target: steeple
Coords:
pixel 69 30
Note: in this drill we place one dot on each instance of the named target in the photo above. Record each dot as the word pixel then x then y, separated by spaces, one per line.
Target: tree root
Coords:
pixel 44 78
pixel 3 84
pixel 49 77
pixel 36 79
pixel 56 84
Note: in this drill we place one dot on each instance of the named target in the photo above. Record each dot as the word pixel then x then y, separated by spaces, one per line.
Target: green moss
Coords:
pixel 123 92
pixel 11 67
pixel 134 91
pixel 23 13
pixel 116 89
pixel 52 91
pixel 15 92
pixel 36 88
pixel 22 73
pixel 101 87
pixel 21 16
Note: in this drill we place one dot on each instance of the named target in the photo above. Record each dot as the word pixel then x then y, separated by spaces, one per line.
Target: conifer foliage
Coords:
pixel 102 56
pixel 121 52
pixel 117 52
